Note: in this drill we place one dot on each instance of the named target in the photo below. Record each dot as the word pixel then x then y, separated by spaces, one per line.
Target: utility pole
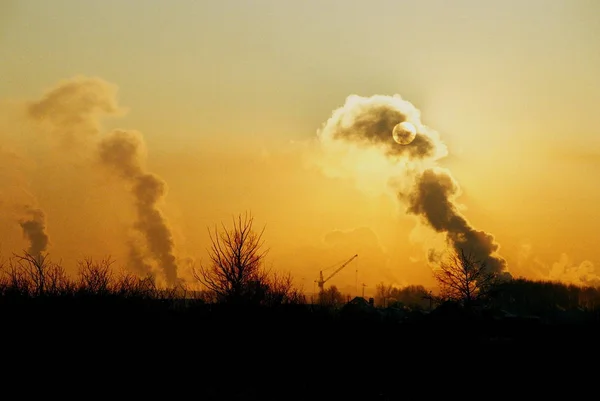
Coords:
pixel 363 291
pixel 356 283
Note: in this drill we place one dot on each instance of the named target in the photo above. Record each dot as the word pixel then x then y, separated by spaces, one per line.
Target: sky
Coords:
pixel 228 96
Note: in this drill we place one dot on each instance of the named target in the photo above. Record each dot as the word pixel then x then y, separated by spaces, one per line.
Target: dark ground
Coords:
pixel 130 350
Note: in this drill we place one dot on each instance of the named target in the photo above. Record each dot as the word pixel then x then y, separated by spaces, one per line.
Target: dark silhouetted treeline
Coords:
pixel 250 334
pixel 274 345
pixel 29 284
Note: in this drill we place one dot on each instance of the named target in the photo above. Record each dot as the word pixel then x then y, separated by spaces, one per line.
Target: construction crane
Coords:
pixel 321 281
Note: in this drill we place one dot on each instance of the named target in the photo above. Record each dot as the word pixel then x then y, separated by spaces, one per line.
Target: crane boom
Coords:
pixel 322 281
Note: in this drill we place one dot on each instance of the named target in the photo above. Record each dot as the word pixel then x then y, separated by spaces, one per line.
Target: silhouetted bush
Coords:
pixel 413 297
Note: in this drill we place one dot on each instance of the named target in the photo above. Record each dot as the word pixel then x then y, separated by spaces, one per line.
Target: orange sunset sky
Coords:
pixel 229 97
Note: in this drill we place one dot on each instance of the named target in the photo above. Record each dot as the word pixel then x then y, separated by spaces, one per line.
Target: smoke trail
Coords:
pixel 71 112
pixel 137 261
pixel 359 133
pixel 122 151
pixel 73 108
pixel 34 229
pixel 16 197
pixel 433 200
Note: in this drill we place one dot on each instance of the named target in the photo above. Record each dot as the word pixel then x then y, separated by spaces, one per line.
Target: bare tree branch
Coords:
pixel 236 260
pixel 464 279
pixel 236 272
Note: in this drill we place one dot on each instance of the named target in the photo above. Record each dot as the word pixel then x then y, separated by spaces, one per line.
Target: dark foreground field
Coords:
pixel 151 349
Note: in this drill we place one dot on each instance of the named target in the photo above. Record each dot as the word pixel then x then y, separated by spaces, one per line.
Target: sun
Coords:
pixel 404 133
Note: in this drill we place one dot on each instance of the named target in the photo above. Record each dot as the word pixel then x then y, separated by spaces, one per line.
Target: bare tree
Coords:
pixel 331 297
pixel 464 279
pixel 37 275
pixel 236 254
pixel 33 270
pixel 58 281
pixel 410 296
pixel 383 293
pixel 129 285
pixel 96 277
pixel 281 290
pixel 16 281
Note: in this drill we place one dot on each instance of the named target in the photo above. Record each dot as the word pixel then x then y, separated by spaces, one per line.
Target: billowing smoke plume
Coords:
pixel 363 127
pixel 584 274
pixel 565 270
pixel 370 121
pixel 433 200
pixel 122 151
pixel 34 229
pixel 71 113
pixel 137 262
pixel 73 108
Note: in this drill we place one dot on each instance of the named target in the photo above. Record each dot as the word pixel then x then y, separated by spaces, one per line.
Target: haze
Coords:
pixel 221 101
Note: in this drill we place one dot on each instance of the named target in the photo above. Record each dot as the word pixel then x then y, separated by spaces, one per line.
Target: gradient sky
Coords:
pixel 217 86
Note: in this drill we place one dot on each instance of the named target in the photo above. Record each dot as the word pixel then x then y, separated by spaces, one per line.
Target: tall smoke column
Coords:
pixel 34 229
pixel 73 108
pixel 72 111
pixel 433 199
pixel 121 150
pixel 363 127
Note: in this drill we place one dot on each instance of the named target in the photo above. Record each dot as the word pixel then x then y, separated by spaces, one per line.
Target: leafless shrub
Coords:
pixel 236 261
pixel 96 277
pixel 58 282
pixel 281 290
